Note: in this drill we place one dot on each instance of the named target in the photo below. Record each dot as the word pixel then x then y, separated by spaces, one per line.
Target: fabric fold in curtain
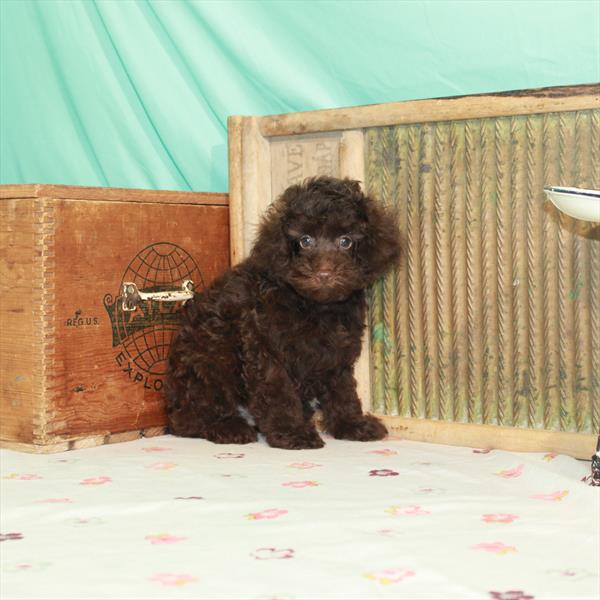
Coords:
pixel 137 93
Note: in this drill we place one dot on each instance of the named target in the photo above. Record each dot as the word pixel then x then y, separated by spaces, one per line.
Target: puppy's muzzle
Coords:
pixel 324 276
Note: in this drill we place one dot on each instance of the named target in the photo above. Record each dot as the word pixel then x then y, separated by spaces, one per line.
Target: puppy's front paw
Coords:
pixel 363 429
pixel 295 440
pixel 232 430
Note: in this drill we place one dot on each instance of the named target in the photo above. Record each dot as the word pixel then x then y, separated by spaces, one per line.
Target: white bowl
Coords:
pixel 576 202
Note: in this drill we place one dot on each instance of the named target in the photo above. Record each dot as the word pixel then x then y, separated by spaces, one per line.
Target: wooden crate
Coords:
pixel 76 368
pixel 488 333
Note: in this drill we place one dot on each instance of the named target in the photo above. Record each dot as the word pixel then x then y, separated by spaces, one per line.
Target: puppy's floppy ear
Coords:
pixel 380 248
pixel 271 251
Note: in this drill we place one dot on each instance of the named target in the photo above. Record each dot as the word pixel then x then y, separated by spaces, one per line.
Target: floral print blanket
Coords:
pixel 184 518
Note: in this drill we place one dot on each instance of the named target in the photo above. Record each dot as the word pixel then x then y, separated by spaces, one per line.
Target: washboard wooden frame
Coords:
pixel 373 144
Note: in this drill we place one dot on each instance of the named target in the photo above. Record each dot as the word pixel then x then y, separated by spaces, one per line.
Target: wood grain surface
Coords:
pixel 75 365
pixel 520 102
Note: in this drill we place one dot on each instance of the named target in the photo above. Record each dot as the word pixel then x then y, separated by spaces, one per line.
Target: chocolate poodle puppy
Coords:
pixel 283 328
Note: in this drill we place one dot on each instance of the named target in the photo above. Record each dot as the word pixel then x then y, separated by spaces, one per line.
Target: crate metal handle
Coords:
pixel 132 296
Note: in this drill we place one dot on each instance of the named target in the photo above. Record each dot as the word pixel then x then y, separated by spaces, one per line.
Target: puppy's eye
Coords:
pixel 306 241
pixel 345 242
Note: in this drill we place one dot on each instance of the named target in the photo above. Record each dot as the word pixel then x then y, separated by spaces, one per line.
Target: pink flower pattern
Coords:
pixel 495 548
pixel 83 516
pixel 410 510
pixel 389 576
pixel 174 579
pixel 22 476
pixel 511 473
pixel 272 553
pixel 164 538
pixel 162 466
pixel 553 497
pixel 511 595
pixel 304 465
pixel 499 518
pixel 383 452
pixel 96 480
pixel 300 484
pixel 269 513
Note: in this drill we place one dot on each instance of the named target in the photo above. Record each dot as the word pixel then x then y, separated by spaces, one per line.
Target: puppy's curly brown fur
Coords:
pixel 284 327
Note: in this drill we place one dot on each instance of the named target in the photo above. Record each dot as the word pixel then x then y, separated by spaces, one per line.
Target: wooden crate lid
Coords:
pixel 71 192
pixel 517 102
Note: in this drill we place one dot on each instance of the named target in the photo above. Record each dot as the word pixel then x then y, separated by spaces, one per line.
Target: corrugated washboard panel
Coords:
pixel 494 315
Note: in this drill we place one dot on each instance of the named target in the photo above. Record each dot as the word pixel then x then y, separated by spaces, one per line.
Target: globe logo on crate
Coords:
pixel 145 312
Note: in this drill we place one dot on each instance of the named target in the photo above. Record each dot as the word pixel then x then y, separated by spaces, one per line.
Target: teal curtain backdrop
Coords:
pixel 136 93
